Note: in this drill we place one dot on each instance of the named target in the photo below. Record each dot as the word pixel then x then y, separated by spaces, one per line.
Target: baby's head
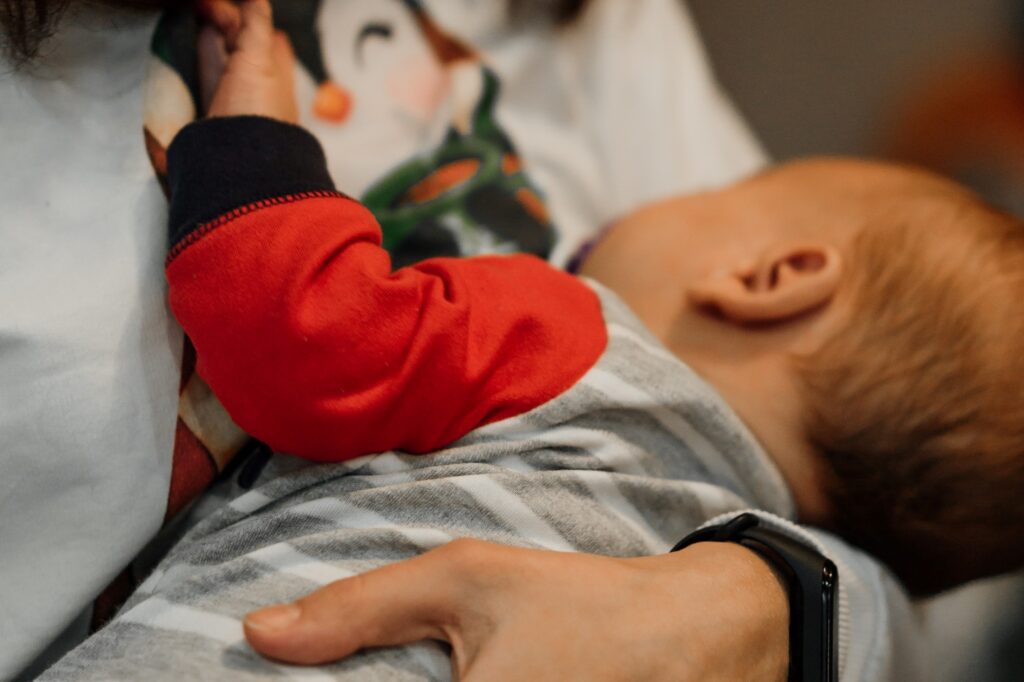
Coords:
pixel 865 320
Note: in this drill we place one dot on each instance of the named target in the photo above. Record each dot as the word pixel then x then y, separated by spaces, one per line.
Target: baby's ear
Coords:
pixel 787 282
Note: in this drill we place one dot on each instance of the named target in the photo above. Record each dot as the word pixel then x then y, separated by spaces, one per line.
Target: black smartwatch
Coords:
pixel 811 581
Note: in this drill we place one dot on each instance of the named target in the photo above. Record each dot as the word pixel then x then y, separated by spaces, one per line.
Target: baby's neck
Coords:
pixel 768 401
pixel 752 369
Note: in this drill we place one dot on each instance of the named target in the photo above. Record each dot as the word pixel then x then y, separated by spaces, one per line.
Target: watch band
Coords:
pixel 812 583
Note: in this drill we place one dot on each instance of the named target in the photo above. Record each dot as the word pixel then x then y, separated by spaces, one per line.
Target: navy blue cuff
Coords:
pixel 221 164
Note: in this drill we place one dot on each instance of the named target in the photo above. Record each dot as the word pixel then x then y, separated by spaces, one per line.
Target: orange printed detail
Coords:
pixel 333 103
pixel 443 179
pixel 533 204
pixel 157 155
pixel 511 164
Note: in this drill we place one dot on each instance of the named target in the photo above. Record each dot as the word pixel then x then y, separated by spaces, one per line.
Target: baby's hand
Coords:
pixel 246 68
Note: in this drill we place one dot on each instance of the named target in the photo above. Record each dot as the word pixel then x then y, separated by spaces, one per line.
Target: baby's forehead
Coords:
pixel 853 193
pixel 853 177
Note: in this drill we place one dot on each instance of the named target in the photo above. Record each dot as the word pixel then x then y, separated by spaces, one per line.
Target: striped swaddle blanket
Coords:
pixel 634 456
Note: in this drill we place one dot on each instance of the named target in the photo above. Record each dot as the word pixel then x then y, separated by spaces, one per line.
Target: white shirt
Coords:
pixel 89 357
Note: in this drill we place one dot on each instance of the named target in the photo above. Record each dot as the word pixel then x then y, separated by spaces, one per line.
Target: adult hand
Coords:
pixel 713 611
pixel 245 66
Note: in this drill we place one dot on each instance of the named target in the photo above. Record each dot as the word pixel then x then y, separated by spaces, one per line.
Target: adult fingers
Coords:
pixel 422 598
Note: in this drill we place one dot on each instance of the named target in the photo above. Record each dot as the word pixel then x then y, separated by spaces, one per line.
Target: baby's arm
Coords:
pixel 303 331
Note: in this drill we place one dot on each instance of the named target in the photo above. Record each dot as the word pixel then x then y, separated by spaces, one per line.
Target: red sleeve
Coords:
pixel 317 348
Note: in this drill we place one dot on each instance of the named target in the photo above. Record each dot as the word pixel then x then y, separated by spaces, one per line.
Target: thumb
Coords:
pixel 422 598
pixel 256 36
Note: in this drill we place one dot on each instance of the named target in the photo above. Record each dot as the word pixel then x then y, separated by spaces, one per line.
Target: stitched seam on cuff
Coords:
pixel 204 229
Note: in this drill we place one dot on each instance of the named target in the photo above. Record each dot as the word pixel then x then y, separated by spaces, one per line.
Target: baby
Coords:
pixel 854 328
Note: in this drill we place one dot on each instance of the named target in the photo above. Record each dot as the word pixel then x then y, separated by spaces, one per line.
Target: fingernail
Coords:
pixel 274 618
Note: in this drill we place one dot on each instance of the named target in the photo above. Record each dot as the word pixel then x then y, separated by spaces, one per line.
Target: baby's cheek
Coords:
pixel 418 85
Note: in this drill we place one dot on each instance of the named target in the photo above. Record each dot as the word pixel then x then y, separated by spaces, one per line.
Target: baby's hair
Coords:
pixel 916 403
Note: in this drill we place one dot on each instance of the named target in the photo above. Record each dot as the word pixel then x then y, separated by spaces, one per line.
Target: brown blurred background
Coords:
pixel 938 82
pixel 822 77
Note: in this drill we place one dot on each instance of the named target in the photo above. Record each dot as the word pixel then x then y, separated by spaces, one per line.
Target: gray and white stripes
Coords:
pixel 637 454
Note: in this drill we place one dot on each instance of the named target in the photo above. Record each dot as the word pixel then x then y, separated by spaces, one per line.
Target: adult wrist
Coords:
pixel 745 607
pixel 811 583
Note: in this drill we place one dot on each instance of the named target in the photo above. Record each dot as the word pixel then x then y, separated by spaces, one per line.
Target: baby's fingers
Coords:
pixel 223 15
pixel 257 34
pixel 258 77
pixel 284 64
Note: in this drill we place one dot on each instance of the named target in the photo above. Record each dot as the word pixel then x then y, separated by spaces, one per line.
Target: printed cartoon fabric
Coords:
pixel 406 114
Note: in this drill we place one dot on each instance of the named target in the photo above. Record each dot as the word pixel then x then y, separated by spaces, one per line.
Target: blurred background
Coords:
pixel 935 82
